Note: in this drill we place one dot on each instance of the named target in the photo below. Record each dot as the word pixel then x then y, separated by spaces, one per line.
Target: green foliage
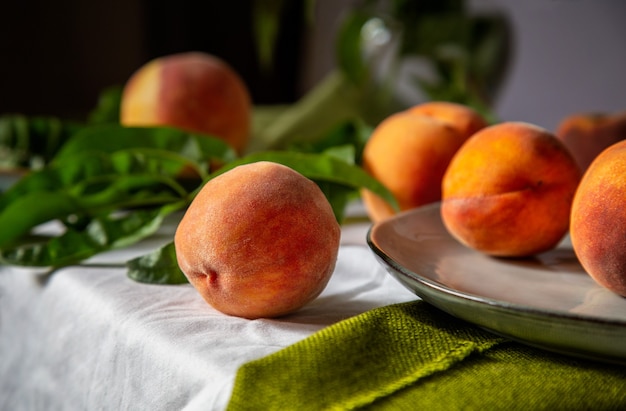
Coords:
pixel 27 142
pixel 157 267
pixel 267 18
pixel 467 53
pixel 32 141
pixel 334 173
pixel 336 177
pixel 111 186
pixel 101 233
pixel 107 111
pixel 463 58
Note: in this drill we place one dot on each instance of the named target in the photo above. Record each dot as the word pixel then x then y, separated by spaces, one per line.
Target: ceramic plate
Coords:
pixel 548 301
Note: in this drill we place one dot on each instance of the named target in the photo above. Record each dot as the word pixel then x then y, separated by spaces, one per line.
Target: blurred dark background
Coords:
pixel 224 28
pixel 55 57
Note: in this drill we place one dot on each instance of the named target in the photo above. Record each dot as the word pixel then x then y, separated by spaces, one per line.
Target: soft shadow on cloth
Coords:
pixel 413 356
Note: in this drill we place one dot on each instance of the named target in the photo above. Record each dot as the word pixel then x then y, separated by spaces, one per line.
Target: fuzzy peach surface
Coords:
pixel 598 219
pixel 462 118
pixel 194 91
pixel 260 240
pixel 587 134
pixel 508 190
pixel 408 154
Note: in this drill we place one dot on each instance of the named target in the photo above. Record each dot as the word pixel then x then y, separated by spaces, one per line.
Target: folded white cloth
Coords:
pixel 87 337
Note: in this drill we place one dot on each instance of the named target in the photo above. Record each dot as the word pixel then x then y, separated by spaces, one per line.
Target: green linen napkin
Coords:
pixel 413 356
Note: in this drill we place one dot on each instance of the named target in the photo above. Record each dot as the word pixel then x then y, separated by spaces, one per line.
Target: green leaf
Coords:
pixel 32 209
pixel 116 193
pixel 86 169
pixel 101 170
pixel 154 161
pixel 345 139
pixel 100 234
pixel 329 104
pixel 266 24
pixel 349 46
pixel 108 108
pixel 345 152
pixel 90 184
pixel 157 267
pixel 321 168
pixel 338 196
pixel 32 141
pixel 268 16
pixel 109 138
pixel 316 167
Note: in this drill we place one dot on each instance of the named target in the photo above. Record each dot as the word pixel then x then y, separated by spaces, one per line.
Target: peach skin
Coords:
pixel 259 240
pixel 587 134
pixel 598 227
pixel 408 153
pixel 508 190
pixel 193 91
pixel 464 119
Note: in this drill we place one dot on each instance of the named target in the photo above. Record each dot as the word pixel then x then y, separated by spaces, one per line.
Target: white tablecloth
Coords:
pixel 88 338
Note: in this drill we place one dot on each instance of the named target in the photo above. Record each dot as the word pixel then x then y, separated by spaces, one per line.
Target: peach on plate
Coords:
pixel 587 134
pixel 463 118
pixel 598 227
pixel 409 151
pixel 509 189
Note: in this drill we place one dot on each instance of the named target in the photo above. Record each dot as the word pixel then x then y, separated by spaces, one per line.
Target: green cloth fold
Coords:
pixel 413 356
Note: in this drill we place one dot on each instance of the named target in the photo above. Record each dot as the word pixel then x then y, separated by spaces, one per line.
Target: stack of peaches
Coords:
pixel 261 240
pixel 510 189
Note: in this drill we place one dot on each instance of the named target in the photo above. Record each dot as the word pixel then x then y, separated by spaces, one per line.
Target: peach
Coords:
pixel 466 120
pixel 587 134
pixel 193 91
pixel 598 219
pixel 259 240
pixel 508 190
pixel 409 151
